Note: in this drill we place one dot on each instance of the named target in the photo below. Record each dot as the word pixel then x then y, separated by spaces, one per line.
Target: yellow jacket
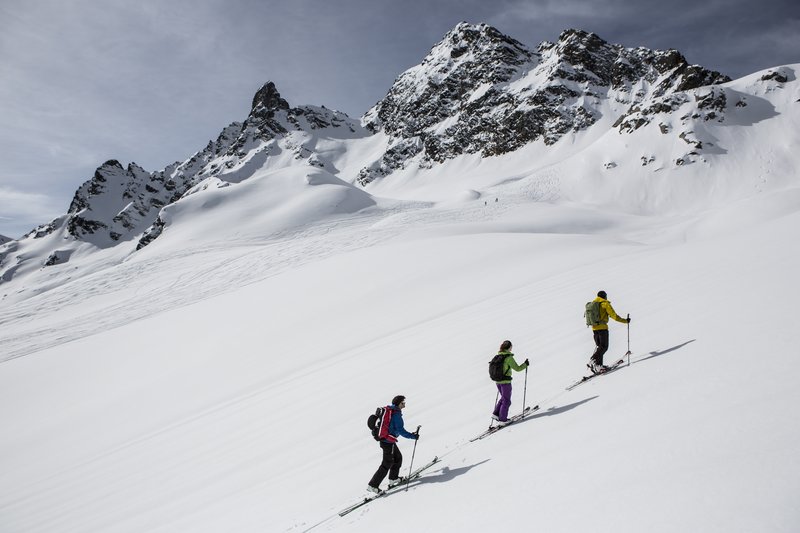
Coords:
pixel 606 311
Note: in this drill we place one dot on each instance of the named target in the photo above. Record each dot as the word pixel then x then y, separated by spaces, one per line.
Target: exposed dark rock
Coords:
pixel 54 259
pixel 713 100
pixel 710 104
pixel 80 227
pixel 684 136
pixel 268 99
pixel 774 75
pixel 43 230
pixel 151 234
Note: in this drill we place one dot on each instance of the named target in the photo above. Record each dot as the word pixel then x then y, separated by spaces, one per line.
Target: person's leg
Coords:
pixel 397 457
pixel 386 464
pixel 496 411
pixel 601 345
pixel 505 401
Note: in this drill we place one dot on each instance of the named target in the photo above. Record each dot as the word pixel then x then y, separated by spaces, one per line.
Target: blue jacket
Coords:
pixel 396 426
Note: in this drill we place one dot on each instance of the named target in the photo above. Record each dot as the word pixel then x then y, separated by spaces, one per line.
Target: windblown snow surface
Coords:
pixel 219 379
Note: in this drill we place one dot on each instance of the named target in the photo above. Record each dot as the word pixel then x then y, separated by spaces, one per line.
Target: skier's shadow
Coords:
pixel 557 410
pixel 662 352
pixel 445 474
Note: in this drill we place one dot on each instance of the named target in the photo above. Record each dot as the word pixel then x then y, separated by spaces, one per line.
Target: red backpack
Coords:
pixel 378 423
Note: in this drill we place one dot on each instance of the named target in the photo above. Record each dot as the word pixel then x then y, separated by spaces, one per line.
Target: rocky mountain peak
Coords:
pixel 268 99
pixel 272 117
pixel 585 57
pixel 574 40
pixel 468 57
pixel 481 42
pixel 588 53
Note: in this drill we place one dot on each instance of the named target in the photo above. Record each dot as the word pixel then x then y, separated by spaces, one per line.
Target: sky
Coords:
pixel 151 82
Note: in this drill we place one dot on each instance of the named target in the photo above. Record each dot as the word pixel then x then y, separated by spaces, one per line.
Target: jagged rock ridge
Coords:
pixel 479 91
pixel 120 203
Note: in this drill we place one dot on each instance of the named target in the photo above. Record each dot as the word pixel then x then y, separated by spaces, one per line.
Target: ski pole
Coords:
pixel 628 353
pixel 497 397
pixel 413 453
pixel 525 390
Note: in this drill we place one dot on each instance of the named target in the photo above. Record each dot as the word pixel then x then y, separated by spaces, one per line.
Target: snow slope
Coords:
pixel 244 411
pixel 219 379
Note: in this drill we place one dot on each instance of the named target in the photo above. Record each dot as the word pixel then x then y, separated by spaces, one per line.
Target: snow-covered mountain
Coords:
pixel 120 206
pixel 478 96
pixel 122 203
pixel 479 91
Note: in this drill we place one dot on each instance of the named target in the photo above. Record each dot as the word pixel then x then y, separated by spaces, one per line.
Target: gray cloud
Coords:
pixel 17 205
pixel 89 80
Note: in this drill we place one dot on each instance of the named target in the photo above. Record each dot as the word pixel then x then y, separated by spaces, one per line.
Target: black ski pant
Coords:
pixel 392 461
pixel 601 343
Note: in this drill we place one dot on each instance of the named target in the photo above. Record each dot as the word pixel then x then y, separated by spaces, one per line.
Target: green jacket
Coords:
pixel 606 312
pixel 510 364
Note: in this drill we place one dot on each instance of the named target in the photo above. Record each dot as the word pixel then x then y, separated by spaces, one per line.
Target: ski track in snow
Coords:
pixel 138 290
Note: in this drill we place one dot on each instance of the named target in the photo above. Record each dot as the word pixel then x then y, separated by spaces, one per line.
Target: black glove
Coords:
pixel 527 363
pixel 416 436
pixel 628 320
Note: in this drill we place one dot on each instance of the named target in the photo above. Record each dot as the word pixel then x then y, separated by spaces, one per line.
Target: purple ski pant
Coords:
pixel 501 409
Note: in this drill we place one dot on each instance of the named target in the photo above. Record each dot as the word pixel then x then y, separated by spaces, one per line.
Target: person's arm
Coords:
pixel 512 363
pixel 612 313
pixel 397 421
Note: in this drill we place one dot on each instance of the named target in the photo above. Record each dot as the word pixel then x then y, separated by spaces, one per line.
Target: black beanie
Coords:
pixel 397 400
pixel 602 294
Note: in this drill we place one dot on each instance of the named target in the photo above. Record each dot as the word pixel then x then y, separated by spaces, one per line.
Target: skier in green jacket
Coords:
pixel 504 387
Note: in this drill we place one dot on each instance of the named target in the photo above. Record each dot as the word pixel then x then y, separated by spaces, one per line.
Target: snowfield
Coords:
pixel 219 379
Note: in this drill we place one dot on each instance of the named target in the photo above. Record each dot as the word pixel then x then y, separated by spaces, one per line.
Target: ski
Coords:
pixel 516 418
pixel 393 487
pixel 584 379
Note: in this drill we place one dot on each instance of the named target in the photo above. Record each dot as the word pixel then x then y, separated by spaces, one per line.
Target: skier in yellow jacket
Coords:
pixel 600 332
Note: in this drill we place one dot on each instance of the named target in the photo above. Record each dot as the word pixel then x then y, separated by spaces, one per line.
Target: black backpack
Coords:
pixel 378 423
pixel 496 368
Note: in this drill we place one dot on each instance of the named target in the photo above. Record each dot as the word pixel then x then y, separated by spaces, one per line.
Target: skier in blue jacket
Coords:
pixel 392 458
